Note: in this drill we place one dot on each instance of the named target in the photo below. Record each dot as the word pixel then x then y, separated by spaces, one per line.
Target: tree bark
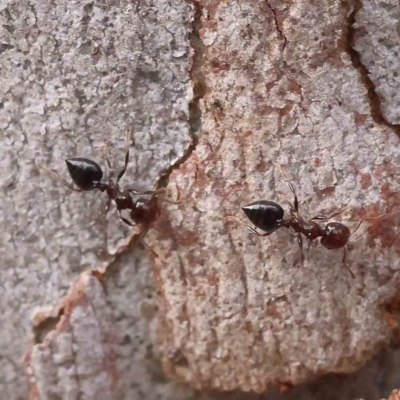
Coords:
pixel 285 86
pixel 217 95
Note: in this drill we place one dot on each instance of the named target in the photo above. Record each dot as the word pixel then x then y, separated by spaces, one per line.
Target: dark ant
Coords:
pixel 268 217
pixel 87 174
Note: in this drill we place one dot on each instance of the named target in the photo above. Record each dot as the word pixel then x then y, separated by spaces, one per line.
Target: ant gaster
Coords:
pixel 87 175
pixel 268 216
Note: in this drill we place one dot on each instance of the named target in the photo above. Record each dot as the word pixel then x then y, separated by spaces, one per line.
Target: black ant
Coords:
pixel 87 174
pixel 268 216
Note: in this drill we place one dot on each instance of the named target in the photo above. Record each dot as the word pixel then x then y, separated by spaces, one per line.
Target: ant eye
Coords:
pixel 84 172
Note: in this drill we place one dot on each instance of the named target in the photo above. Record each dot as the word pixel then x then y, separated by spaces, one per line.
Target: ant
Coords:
pixel 268 216
pixel 87 175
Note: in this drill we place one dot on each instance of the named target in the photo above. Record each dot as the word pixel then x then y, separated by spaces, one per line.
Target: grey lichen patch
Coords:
pixel 242 311
pixel 377 40
pixel 72 76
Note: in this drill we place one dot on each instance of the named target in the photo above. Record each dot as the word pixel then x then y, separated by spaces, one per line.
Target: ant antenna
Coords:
pixel 382 216
pixel 145 245
pixel 110 170
pixel 122 172
pixel 336 213
pixel 355 230
pixel 56 176
pixel 248 227
pixel 156 193
pixel 291 187
pixel 344 262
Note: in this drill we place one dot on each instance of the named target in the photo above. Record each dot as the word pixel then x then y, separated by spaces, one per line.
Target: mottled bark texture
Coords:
pixel 310 85
pixel 284 86
pixel 73 74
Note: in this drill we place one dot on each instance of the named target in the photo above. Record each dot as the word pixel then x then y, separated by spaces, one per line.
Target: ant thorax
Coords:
pixel 123 200
pixel 310 229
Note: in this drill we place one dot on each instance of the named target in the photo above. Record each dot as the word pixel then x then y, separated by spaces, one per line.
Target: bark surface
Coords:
pixel 310 85
pixel 284 86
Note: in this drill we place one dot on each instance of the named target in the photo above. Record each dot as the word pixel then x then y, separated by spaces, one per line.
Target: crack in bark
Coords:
pixel 278 28
pixel 373 98
pixel 47 325
pixel 199 91
pixel 195 114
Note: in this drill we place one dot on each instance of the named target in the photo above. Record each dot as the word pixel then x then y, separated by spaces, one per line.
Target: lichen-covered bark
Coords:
pixel 71 363
pixel 74 74
pixel 241 311
pixel 277 82
pixel 378 44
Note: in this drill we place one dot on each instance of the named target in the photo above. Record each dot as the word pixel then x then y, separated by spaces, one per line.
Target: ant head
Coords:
pixel 85 173
pixel 336 236
pixel 265 215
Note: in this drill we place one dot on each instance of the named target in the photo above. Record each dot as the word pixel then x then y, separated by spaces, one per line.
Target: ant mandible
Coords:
pixel 87 175
pixel 268 217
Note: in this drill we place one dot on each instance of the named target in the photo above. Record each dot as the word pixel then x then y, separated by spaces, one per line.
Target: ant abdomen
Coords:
pixel 145 211
pixel 84 172
pixel 265 215
pixel 336 236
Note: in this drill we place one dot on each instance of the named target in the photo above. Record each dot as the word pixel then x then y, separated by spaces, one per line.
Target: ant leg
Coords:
pixel 110 170
pixel 147 247
pixel 253 231
pixel 169 201
pixel 124 219
pixel 134 191
pixel 291 187
pixel 355 230
pixel 323 217
pixel 300 242
pixel 57 177
pixel 162 192
pixel 156 193
pixel 311 243
pixel 108 205
pixel 249 228
pixel 345 265
pixel 122 172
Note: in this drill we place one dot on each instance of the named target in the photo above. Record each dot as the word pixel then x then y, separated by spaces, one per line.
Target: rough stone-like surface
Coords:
pixel 377 35
pixel 135 358
pixel 74 74
pixel 279 87
pixel 240 311
pixel 77 359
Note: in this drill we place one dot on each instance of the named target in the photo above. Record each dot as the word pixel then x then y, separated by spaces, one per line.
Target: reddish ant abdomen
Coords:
pixel 336 236
pixel 145 211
